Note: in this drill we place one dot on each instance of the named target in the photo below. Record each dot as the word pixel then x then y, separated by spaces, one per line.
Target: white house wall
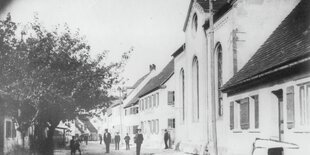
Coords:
pixel 162 113
pixel 255 21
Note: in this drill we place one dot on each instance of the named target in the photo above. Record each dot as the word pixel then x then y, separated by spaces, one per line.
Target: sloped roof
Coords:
pixel 154 83
pixel 158 80
pixel 140 80
pixel 289 43
pixel 217 5
pixel 115 103
pixel 179 50
pixel 85 120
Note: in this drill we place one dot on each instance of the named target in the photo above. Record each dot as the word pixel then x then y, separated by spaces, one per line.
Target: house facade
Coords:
pixel 266 103
pixel 157 107
pixel 131 108
pixel 240 28
pixel 10 138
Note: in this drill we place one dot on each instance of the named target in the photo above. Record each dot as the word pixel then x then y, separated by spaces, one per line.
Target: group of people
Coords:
pixel 138 139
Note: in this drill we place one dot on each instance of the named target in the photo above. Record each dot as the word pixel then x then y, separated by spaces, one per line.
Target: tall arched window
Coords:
pixel 219 77
pixel 182 86
pixel 195 84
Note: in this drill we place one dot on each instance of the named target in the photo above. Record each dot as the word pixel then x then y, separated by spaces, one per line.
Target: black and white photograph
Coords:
pixel 154 77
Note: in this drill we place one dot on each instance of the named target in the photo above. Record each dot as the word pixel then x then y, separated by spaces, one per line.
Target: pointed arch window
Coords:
pixel 195 84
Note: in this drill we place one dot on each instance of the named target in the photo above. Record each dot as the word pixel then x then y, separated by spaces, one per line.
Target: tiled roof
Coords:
pixel 154 83
pixel 289 43
pixel 179 51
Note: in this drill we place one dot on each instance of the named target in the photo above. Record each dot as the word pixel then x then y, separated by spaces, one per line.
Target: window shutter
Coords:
pixel 244 114
pixel 256 106
pixel 170 97
pixel 290 107
pixel 232 115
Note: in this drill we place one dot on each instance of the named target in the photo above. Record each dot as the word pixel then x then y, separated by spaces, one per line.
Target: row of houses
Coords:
pixel 238 85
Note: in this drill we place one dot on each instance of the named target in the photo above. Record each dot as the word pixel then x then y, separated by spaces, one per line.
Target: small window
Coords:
pixel 157 96
pixel 154 100
pixel 232 114
pixel 171 123
pixel 13 130
pixel 304 105
pixel 170 97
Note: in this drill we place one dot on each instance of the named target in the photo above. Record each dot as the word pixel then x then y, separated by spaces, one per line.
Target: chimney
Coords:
pixel 152 67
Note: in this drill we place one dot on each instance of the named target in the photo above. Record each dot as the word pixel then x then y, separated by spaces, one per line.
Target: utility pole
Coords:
pixel 213 109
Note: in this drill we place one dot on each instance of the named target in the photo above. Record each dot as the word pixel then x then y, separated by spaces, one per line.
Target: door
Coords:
pixel 279 95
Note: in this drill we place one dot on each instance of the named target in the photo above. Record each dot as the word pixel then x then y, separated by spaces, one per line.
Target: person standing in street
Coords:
pixel 117 139
pixel 127 139
pixel 77 145
pixel 138 141
pixel 72 145
pixel 166 138
pixel 100 138
pixel 86 139
pixel 107 140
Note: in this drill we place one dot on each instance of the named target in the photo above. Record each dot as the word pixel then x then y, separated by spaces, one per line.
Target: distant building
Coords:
pixel 156 107
pixel 10 138
pixel 131 108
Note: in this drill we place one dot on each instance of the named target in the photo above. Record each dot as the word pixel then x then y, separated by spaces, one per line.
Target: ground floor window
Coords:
pixel 244 113
pixel 304 94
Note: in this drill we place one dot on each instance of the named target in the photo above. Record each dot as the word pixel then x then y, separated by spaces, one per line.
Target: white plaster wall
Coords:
pixel 193 135
pixel 240 141
pixel 162 112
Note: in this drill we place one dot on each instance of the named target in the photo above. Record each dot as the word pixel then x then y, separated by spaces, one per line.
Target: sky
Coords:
pixel 152 27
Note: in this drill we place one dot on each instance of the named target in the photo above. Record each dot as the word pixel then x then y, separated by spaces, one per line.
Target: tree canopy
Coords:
pixel 51 74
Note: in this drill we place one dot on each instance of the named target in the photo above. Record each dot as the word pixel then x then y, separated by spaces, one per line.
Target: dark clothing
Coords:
pixel 72 147
pixel 77 146
pixel 166 139
pixel 100 138
pixel 107 141
pixel 138 141
pixel 117 139
pixel 86 139
pixel 127 139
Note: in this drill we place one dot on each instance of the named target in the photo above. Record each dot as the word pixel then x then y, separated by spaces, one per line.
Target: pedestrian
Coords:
pixel 127 139
pixel 100 138
pixel 77 146
pixel 86 139
pixel 117 139
pixel 72 145
pixel 138 141
pixel 107 140
pixel 166 138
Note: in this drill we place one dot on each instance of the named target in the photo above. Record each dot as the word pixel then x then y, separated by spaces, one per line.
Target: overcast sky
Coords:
pixel 152 27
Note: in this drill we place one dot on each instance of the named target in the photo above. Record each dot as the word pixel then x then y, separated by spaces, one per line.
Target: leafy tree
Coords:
pixel 51 76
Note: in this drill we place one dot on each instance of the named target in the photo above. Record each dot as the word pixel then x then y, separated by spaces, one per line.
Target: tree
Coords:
pixel 51 76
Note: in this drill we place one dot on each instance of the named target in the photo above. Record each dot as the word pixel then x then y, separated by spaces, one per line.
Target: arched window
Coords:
pixel 219 77
pixel 195 22
pixel 182 86
pixel 195 84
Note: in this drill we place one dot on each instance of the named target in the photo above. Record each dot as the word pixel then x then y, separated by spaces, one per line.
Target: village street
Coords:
pixel 94 148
